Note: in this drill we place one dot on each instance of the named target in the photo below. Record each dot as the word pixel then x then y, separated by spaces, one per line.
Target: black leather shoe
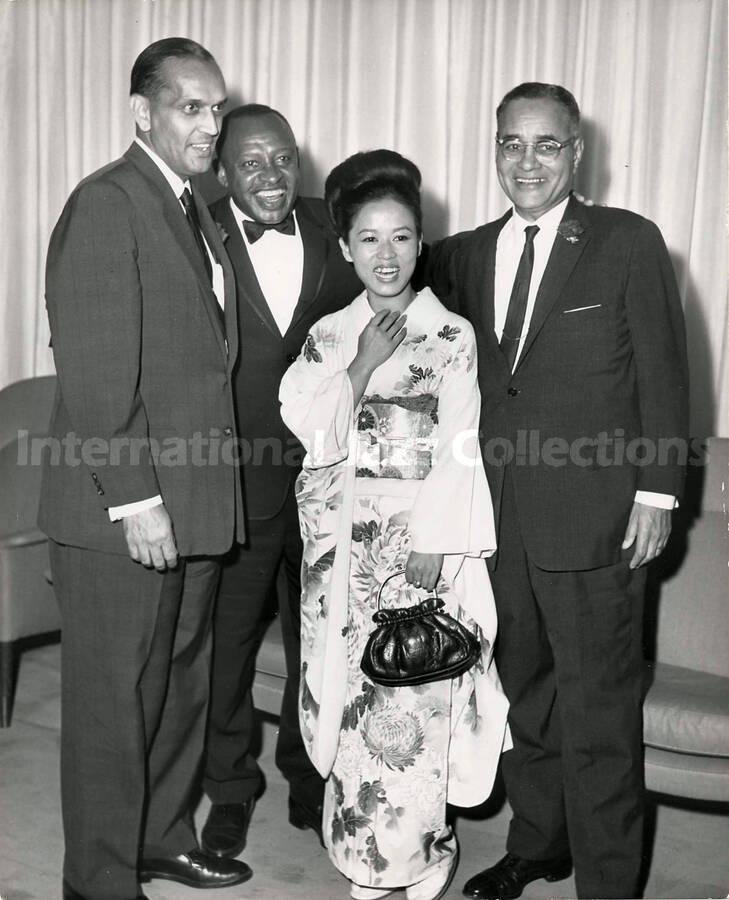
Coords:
pixel 301 816
pixel 195 869
pixel 70 894
pixel 226 829
pixel 510 875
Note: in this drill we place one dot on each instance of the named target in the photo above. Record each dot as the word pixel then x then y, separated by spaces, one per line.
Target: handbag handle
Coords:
pixel 389 578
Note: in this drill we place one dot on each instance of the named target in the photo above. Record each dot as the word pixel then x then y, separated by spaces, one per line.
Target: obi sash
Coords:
pixel 396 436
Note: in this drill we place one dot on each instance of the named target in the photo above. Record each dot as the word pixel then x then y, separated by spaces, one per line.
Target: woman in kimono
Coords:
pixel 385 401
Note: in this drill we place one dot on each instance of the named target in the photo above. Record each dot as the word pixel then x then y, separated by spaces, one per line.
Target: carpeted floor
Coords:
pixel 689 855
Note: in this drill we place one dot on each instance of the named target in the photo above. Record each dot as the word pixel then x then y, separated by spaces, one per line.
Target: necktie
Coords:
pixel 194 222
pixel 255 230
pixel 514 324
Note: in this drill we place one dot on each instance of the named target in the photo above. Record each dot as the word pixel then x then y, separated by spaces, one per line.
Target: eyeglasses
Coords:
pixel 545 151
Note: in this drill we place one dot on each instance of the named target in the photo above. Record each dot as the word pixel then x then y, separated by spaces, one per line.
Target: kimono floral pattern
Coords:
pixel 429 358
pixel 384 808
pixel 391 755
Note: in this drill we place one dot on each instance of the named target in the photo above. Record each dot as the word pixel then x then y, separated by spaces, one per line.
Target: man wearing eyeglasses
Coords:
pixel 583 376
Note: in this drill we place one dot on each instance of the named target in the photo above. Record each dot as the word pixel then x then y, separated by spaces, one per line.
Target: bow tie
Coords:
pixel 255 230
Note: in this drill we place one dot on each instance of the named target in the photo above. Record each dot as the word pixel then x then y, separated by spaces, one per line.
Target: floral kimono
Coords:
pixel 400 471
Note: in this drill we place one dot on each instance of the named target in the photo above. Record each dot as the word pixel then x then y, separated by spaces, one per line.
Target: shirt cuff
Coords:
pixel 652 498
pixel 128 509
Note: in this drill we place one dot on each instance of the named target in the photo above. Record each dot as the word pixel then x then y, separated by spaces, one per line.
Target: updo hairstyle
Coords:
pixel 367 176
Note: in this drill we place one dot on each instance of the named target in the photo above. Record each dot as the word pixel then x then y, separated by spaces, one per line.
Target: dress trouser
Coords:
pixel 248 582
pixel 135 672
pixel 570 659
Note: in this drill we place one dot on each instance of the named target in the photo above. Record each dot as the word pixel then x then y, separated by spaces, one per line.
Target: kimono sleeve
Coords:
pixel 453 512
pixel 316 397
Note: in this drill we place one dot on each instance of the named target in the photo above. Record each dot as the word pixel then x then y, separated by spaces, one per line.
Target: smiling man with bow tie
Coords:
pixel 580 342
pixel 289 273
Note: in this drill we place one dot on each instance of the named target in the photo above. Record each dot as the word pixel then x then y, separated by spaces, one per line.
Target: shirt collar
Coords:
pixel 549 221
pixel 174 180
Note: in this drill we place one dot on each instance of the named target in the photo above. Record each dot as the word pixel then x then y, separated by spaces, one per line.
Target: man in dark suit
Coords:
pixel 289 272
pixel 145 494
pixel 583 375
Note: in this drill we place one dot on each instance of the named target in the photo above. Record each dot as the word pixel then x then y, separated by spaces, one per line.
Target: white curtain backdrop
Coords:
pixel 421 76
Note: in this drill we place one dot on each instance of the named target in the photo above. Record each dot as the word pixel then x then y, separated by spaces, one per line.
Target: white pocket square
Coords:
pixel 581 308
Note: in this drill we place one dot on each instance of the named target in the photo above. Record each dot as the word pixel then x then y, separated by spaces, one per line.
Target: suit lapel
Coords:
pixel 486 283
pixel 249 289
pixel 230 314
pixel 487 273
pixel 316 250
pixel 562 260
pixel 178 225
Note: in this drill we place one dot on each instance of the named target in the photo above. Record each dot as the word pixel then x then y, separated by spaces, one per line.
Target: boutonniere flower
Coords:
pixel 222 232
pixel 570 230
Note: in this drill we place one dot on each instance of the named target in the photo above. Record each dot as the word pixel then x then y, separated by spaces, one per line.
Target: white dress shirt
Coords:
pixel 509 247
pixel 178 186
pixel 278 261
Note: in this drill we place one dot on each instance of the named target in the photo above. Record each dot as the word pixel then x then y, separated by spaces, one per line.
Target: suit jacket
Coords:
pixel 144 374
pixel 272 455
pixel 604 359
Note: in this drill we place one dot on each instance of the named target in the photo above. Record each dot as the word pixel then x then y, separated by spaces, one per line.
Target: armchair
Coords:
pixel 27 604
pixel 686 710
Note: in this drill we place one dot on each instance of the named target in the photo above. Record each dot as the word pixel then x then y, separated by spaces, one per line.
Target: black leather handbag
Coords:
pixel 417 644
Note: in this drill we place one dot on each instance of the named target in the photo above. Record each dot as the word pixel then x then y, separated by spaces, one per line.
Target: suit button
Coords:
pixel 512 391
pixel 228 431
pixel 291 358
